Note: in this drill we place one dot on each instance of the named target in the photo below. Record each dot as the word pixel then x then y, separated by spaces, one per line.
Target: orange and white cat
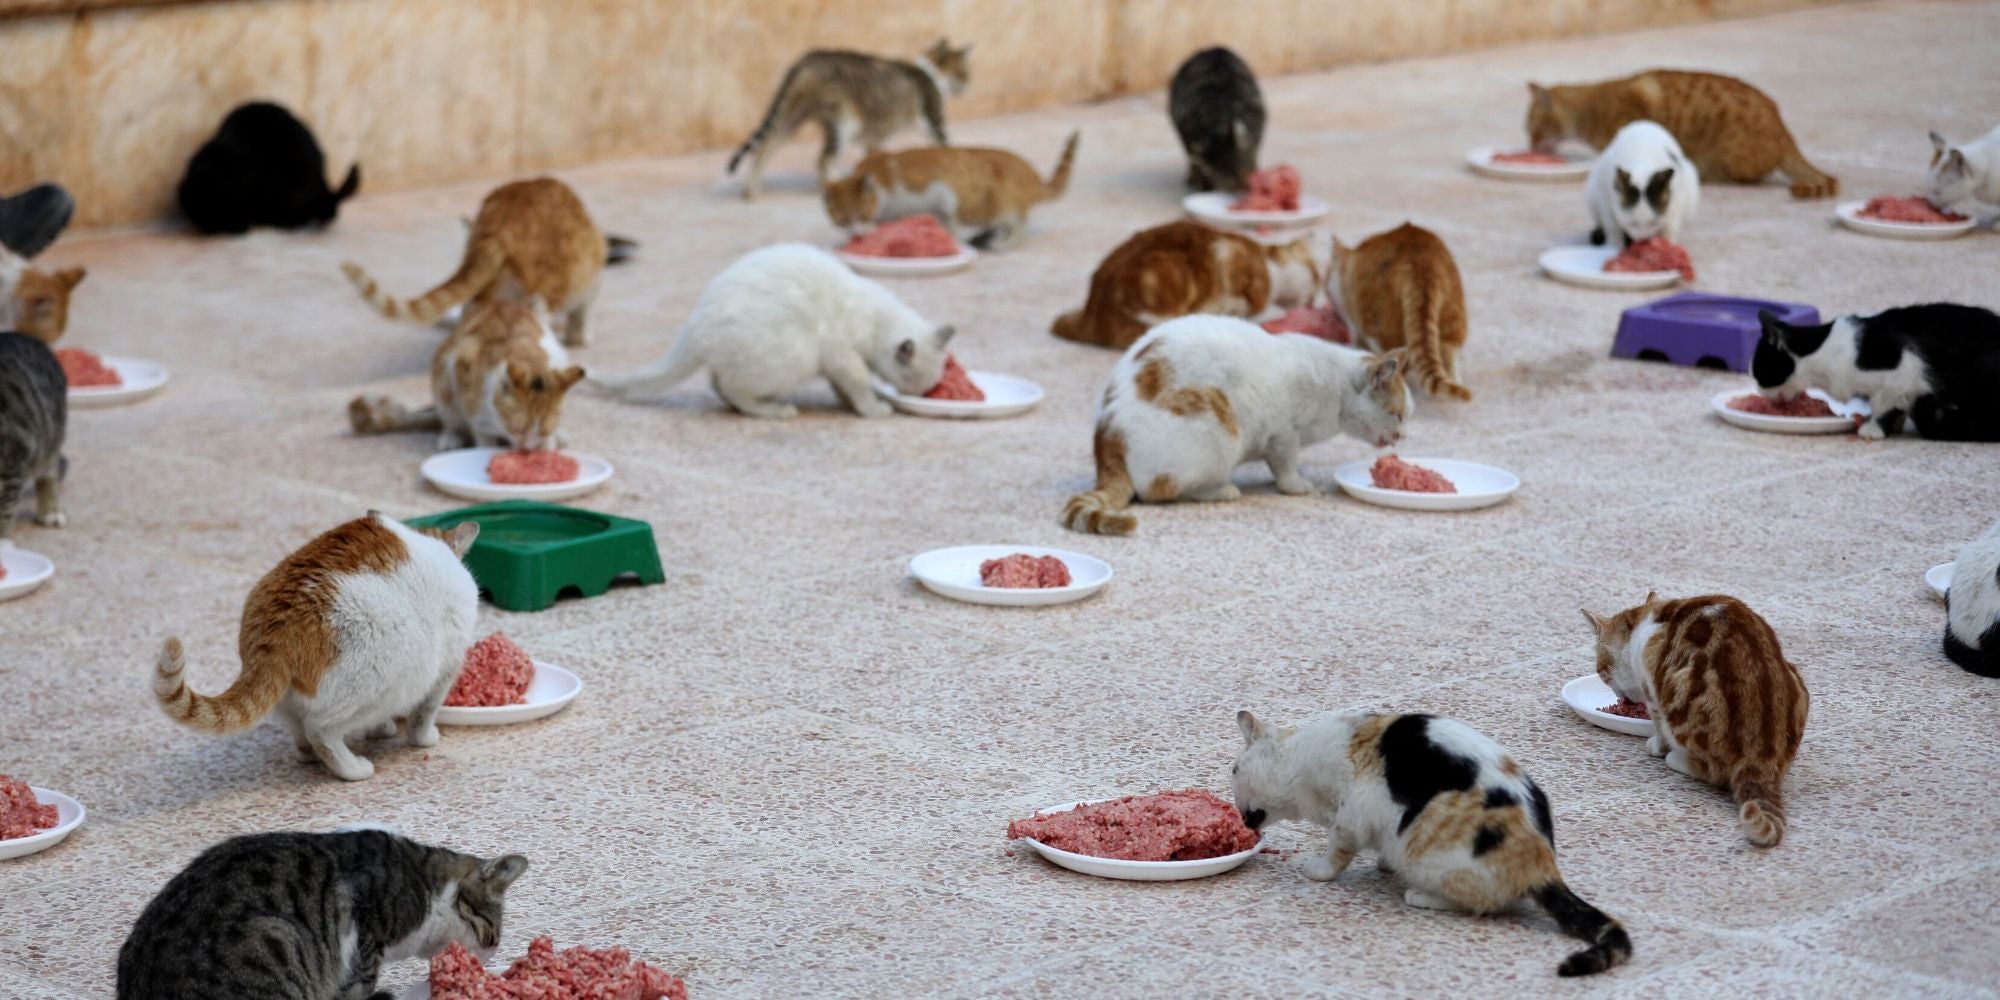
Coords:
pixel 1401 289
pixel 1183 268
pixel 498 380
pixel 530 238
pixel 367 623
pixel 1727 707
pixel 34 301
pixel 983 195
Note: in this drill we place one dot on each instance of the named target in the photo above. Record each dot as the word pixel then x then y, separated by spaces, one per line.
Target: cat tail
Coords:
pixel 483 260
pixel 248 700
pixel 1763 805
pixel 350 185
pixel 1807 180
pixel 770 122
pixel 1102 510
pixel 1058 182
pixel 671 370
pixel 1609 944
pixel 1076 325
pixel 382 415
pixel 1429 343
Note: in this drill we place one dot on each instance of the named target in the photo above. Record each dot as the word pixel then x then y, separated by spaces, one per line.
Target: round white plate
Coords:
pixel 908 267
pixel 1584 267
pixel 954 573
pixel 1137 871
pixel 1213 208
pixel 1481 161
pixel 142 379
pixel 1587 696
pixel 462 473
pixel 1840 423
pixel 1478 485
pixel 1849 214
pixel 25 571
pixel 550 692
pixel 1006 396
pixel 1938 577
pixel 69 816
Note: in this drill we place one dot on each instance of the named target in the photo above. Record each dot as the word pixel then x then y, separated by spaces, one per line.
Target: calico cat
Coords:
pixel 368 622
pixel 982 195
pixel 1731 130
pixel 531 238
pixel 1218 111
pixel 1937 364
pixel 1966 179
pixel 1972 606
pixel 785 314
pixel 1437 801
pixel 1401 289
pixel 262 168
pixel 856 97
pixel 497 381
pixel 310 916
pixel 1201 395
pixel 1727 707
pixel 1183 268
pixel 1641 187
pixel 34 301
pixel 34 413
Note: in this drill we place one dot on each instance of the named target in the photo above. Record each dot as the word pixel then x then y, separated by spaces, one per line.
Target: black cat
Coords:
pixel 263 168
pixel 1937 364
pixel 1219 113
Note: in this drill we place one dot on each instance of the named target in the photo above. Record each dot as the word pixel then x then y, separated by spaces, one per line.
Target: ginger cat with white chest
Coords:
pixel 1401 289
pixel 499 380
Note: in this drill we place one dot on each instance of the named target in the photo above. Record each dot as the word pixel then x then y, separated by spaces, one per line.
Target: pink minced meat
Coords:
pixel 1021 570
pixel 85 369
pixel 1627 709
pixel 1187 825
pixel 1798 406
pixel 1907 209
pixel 517 468
pixel 1318 321
pixel 1654 253
pixel 1392 473
pixel 497 672
pixel 21 814
pixel 1275 189
pixel 955 385
pixel 916 236
pixel 1530 158
pixel 544 973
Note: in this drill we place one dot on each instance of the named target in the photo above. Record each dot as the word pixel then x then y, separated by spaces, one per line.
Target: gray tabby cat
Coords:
pixel 34 411
pixel 1219 113
pixel 854 96
pixel 310 916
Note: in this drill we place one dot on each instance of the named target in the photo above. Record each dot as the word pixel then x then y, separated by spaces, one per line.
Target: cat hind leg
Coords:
pixel 48 496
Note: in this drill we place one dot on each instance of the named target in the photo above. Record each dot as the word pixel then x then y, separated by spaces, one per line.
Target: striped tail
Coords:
pixel 1102 510
pixel 248 700
pixel 1429 346
pixel 382 415
pixel 1807 180
pixel 764 129
pixel 1058 182
pixel 483 260
pixel 1763 806
pixel 1609 944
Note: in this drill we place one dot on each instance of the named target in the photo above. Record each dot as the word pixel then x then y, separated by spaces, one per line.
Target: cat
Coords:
pixel 1966 179
pixel 1937 364
pixel 783 315
pixel 531 237
pixel 855 97
pixel 368 622
pixel 1727 707
pixel 1200 395
pixel 1437 801
pixel 1219 114
pixel 310 916
pixel 1183 268
pixel 1972 606
pixel 34 414
pixel 1401 288
pixel 497 381
pixel 1731 130
pixel 1641 187
pixel 982 195
pixel 262 168
pixel 34 301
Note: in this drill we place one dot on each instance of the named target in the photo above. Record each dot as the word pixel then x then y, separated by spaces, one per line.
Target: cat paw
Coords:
pixel 1870 431
pixel 872 408
pixel 1296 486
pixel 1655 747
pixel 52 519
pixel 425 735
pixel 1320 869
pixel 360 770
pixel 383 731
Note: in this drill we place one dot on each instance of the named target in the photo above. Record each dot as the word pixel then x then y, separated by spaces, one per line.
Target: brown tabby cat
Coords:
pixel 1726 705
pixel 1401 289
pixel 498 381
pixel 1730 129
pixel 983 194
pixel 1183 268
pixel 530 238
pixel 33 301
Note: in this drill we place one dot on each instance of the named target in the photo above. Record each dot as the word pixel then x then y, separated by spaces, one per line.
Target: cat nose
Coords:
pixel 1253 818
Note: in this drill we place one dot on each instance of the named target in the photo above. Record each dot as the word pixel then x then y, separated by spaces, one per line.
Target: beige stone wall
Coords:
pixel 112 102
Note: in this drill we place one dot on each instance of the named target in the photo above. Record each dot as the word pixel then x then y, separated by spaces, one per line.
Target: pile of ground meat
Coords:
pixel 1801 405
pixel 1650 255
pixel 21 814
pixel 519 468
pixel 1318 321
pixel 1392 473
pixel 1186 825
pixel 84 369
pixel 544 973
pixel 1530 158
pixel 497 673
pixel 955 385
pixel 916 236
pixel 1021 570
pixel 1274 189
pixel 1907 209
pixel 1627 709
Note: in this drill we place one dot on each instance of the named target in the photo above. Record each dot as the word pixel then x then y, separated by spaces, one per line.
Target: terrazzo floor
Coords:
pixel 790 769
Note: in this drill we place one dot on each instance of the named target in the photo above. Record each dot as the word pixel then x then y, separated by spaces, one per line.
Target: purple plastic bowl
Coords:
pixel 1701 330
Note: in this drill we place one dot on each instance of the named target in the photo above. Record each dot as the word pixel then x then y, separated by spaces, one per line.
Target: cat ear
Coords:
pixel 70 277
pixel 1774 328
pixel 1386 367
pixel 944 334
pixel 518 373
pixel 499 873
pixel 463 534
pixel 1652 598
pixel 906 352
pixel 1939 145
pixel 569 377
pixel 1596 620
pixel 1538 93
pixel 1253 730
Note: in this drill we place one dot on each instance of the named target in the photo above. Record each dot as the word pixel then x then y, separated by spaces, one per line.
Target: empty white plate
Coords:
pixel 1584 267
pixel 69 816
pixel 1588 695
pixel 1213 208
pixel 1006 396
pixel 908 267
pixel 1478 485
pixel 1841 422
pixel 141 379
pixel 25 571
pixel 955 573
pixel 1482 162
pixel 1849 214
pixel 1938 577
pixel 1137 871
pixel 550 692
pixel 462 473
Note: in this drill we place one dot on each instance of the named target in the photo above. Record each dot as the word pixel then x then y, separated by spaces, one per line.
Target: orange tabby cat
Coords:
pixel 1401 288
pixel 1730 129
pixel 531 238
pixel 498 381
pixel 1726 705
pixel 983 194
pixel 37 304
pixel 1183 268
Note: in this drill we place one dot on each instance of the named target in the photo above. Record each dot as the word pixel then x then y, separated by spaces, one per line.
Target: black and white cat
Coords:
pixel 1937 364
pixel 1972 606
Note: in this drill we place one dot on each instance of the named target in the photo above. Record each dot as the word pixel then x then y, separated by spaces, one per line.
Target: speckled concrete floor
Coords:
pixel 790 770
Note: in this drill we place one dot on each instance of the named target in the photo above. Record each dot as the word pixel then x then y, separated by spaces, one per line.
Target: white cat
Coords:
pixel 1641 186
pixel 1966 179
pixel 1200 395
pixel 1972 606
pixel 785 314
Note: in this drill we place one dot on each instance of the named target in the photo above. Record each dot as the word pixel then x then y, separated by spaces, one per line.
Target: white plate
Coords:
pixel 1137 871
pixel 142 379
pixel 955 573
pixel 1849 214
pixel 550 692
pixel 69 816
pixel 1584 267
pixel 1938 577
pixel 1587 696
pixel 1213 208
pixel 462 473
pixel 1478 485
pixel 1481 161
pixel 25 571
pixel 908 267
pixel 1006 396
pixel 1841 422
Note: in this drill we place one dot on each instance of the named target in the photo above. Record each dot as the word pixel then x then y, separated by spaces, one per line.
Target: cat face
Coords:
pixel 915 364
pixel 1379 402
pixel 1548 124
pixel 481 902
pixel 41 302
pixel 851 201
pixel 1951 177
pixel 1228 160
pixel 1775 364
pixel 954 65
pixel 1641 207
pixel 1614 647
pixel 529 403
pixel 1253 779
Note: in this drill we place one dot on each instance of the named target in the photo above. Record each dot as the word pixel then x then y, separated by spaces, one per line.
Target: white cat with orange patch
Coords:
pixel 499 380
